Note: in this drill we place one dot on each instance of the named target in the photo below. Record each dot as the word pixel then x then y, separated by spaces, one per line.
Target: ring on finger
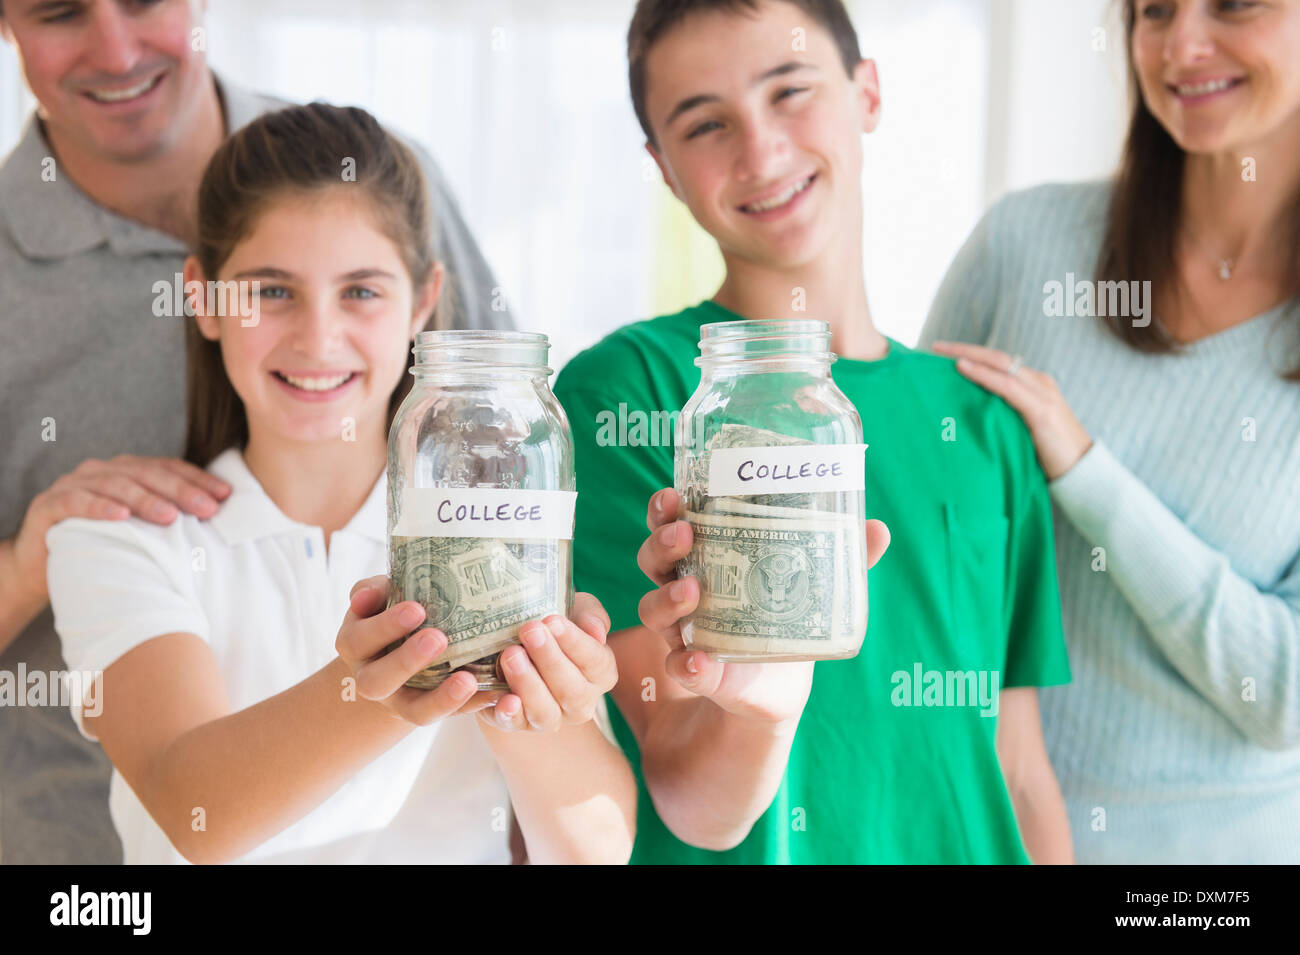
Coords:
pixel 1017 363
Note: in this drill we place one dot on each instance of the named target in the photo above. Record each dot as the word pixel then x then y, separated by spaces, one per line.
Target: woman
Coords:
pixel 1169 434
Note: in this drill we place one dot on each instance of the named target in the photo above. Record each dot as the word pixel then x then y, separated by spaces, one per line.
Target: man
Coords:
pixel 98 203
pixel 754 111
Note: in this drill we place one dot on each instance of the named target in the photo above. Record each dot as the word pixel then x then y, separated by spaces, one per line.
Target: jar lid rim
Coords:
pixel 765 328
pixel 480 336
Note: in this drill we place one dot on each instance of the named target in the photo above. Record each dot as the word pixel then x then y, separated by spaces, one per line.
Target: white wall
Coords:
pixel 924 167
pixel 15 101
pixel 1058 96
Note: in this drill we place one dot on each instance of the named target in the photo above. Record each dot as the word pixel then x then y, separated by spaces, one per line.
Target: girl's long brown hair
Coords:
pixel 298 150
pixel 1145 215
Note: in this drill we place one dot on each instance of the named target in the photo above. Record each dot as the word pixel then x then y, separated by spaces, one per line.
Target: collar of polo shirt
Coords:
pixel 249 514
pixel 54 220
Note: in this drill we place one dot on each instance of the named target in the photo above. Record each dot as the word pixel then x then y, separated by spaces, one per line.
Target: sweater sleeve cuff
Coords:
pixel 1091 492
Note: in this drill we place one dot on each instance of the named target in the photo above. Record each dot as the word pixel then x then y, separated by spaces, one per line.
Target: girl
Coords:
pixel 1169 434
pixel 238 726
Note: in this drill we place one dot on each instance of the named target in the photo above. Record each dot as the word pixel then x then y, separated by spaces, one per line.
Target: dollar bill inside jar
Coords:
pixel 478 591
pixel 782 576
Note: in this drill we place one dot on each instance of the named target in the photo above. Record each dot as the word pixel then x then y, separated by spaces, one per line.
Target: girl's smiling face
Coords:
pixel 336 314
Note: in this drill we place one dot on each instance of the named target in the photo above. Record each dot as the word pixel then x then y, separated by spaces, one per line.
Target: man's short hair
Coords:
pixel 653 18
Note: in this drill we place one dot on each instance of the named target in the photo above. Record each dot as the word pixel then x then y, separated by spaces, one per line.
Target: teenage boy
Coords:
pixel 926 747
pixel 97 204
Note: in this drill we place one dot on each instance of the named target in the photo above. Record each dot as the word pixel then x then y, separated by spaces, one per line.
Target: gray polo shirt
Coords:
pixel 88 371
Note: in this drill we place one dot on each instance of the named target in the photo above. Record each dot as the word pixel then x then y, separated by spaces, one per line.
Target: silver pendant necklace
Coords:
pixel 1226 265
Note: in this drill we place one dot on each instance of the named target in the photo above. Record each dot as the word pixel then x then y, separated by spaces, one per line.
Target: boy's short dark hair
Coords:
pixel 653 18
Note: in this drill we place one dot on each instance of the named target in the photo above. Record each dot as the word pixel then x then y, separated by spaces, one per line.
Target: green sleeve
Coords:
pixel 614 488
pixel 1036 653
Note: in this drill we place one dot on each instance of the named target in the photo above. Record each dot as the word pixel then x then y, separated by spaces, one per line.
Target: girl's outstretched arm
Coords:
pixel 572 789
pixel 167 725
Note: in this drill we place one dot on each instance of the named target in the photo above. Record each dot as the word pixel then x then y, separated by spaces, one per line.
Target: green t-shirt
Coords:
pixel 967 590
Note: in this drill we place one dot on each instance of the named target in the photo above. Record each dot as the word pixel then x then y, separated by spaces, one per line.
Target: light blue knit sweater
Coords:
pixel 1179 739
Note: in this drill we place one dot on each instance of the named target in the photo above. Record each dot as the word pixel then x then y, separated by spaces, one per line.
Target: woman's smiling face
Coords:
pixel 1219 75
pixel 336 315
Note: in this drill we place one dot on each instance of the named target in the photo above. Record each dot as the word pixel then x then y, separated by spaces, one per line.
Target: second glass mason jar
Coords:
pixel 481 496
pixel 769 463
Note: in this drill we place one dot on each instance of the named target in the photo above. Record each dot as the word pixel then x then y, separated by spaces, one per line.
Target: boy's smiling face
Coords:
pixel 759 133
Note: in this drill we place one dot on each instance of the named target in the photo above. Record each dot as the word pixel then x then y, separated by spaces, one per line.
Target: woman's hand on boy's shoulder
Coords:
pixel 558 674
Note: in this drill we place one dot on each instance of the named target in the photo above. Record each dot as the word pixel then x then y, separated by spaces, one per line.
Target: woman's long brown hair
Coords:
pixel 1145 215
pixel 299 150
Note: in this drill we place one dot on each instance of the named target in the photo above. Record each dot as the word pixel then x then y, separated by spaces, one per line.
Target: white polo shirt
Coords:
pixel 260 589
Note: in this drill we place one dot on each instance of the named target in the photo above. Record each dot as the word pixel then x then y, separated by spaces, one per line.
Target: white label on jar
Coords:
pixel 486 512
pixel 793 469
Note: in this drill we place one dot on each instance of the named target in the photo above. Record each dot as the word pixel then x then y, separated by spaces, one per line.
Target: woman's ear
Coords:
pixel 426 299
pixel 208 325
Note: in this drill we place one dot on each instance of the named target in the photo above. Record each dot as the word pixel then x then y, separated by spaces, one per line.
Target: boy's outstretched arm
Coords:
pixel 714 737
pixel 1031 781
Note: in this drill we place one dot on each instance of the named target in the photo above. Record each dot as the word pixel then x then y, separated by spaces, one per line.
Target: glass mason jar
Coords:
pixel 769 463
pixel 481 495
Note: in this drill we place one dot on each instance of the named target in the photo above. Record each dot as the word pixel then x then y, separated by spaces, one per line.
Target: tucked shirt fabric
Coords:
pixel 268 600
pixel 876 774
pixel 1178 548
pixel 89 371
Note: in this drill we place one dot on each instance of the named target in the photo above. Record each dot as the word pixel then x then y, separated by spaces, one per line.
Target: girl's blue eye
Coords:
pixel 790 91
pixel 1154 11
pixel 273 292
pixel 361 292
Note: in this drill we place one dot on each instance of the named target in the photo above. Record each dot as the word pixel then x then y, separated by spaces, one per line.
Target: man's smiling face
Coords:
pixel 114 78
pixel 758 135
